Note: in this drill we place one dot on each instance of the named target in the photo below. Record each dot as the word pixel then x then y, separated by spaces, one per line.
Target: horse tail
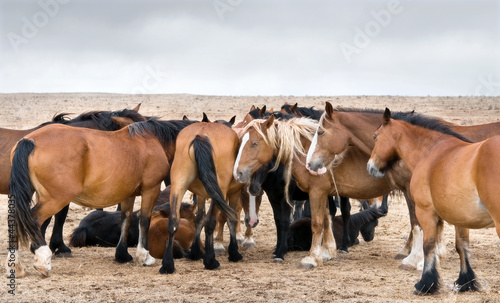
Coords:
pixel 21 192
pixel 79 237
pixel 203 154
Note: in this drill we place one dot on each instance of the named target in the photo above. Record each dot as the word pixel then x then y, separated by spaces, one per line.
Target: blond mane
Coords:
pixel 284 138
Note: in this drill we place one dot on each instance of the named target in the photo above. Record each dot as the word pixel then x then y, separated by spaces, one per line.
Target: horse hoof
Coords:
pixel 308 263
pixel 400 256
pixel 249 244
pixel 219 248
pixel 235 258
pixel 43 271
pixel 149 261
pixel 164 270
pixel 212 265
pixel 124 259
pixel 407 267
pixel 278 260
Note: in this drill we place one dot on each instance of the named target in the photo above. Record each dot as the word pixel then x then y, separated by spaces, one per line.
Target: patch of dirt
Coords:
pixel 368 273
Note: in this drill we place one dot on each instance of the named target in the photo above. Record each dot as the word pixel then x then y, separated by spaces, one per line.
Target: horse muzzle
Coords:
pixel 374 170
pixel 251 223
pixel 316 168
pixel 242 176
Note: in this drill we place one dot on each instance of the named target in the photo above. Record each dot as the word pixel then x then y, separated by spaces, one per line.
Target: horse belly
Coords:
pixel 469 213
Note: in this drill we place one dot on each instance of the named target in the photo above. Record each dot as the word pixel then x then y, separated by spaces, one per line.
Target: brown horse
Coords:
pixel 96 120
pixel 343 129
pixel 203 163
pixel 288 142
pixel 92 168
pixel 453 180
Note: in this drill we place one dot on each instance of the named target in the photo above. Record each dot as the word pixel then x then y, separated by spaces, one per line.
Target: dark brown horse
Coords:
pixel 92 168
pixel 453 180
pixel 203 164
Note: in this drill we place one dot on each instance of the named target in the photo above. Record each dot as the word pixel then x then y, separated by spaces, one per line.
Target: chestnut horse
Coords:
pixel 453 180
pixel 342 129
pixel 203 163
pixel 288 142
pixel 96 120
pixel 92 168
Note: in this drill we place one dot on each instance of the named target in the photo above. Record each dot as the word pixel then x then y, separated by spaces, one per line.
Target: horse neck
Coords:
pixel 415 143
pixel 361 127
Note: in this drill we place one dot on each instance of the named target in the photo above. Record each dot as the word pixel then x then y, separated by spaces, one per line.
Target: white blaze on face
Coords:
pixel 312 148
pixel 245 139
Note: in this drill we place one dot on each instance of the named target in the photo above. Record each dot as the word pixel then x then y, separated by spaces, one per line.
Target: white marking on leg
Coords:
pixel 246 137
pixel 252 209
pixel 43 256
pixel 312 147
pixel 416 257
pixel 142 254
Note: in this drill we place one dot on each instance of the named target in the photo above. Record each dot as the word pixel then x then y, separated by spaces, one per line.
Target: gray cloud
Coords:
pixel 255 47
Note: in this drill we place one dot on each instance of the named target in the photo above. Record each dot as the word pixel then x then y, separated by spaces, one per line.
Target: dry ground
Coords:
pixel 367 274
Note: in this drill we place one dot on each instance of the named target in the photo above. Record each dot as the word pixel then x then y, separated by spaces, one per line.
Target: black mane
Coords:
pixel 101 119
pixel 308 112
pixel 165 131
pixel 429 123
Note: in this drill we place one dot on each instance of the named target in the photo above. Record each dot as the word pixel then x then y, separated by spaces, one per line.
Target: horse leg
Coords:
pixel 329 244
pixel 13 267
pixel 56 241
pixel 282 215
pixel 234 202
pixel 149 198
pixel 432 227
pixel 219 238
pixel 254 205
pixel 195 252
pixel 121 253
pixel 415 260
pixel 467 278
pixel 407 249
pixel 345 210
pixel 318 208
pixel 209 260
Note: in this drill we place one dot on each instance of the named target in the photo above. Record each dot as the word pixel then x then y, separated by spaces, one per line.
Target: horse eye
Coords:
pixel 321 132
pixel 374 137
pixel 255 143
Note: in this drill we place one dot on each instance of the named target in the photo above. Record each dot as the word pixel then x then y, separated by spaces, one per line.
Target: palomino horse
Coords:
pixel 288 141
pixel 203 164
pixel 453 180
pixel 96 120
pixel 342 129
pixel 94 169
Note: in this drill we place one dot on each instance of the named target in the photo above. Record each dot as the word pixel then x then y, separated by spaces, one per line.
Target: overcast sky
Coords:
pixel 251 47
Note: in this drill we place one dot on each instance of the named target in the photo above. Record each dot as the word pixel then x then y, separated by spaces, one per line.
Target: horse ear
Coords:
pixel 137 107
pixel 205 118
pixel 262 111
pixel 232 120
pixel 185 118
pixel 269 122
pixel 293 108
pixel 387 115
pixel 328 109
pixel 252 108
pixel 122 121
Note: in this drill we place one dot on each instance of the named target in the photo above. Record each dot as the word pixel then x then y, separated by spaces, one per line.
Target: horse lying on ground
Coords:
pixel 300 236
pixel 102 228
pixel 453 180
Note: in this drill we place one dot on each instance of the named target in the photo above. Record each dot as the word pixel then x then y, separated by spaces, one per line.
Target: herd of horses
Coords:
pixel 446 172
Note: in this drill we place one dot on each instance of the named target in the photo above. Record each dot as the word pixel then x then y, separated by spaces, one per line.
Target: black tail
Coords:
pixel 21 191
pixel 208 176
pixel 78 237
